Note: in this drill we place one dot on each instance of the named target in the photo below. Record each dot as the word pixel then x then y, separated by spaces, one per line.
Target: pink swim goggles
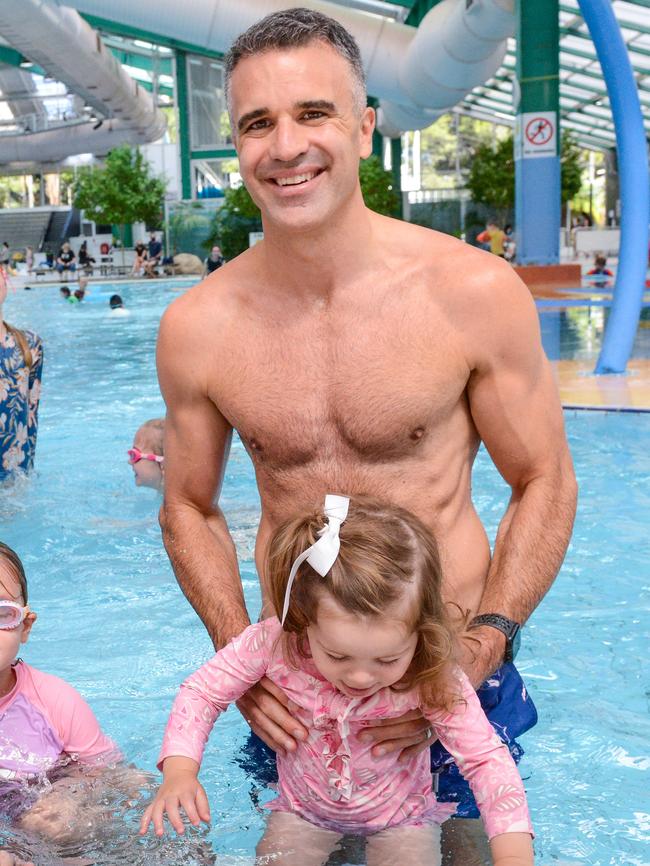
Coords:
pixel 12 614
pixel 135 455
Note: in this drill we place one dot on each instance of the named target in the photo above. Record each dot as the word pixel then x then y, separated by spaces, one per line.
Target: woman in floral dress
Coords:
pixel 21 364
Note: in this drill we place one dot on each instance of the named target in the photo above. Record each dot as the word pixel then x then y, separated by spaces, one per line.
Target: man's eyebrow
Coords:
pixel 317 103
pixel 251 115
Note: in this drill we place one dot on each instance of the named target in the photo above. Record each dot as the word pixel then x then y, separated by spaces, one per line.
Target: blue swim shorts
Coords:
pixel 511 712
pixel 507 705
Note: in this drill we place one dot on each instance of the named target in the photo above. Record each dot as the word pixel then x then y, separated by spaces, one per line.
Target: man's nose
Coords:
pixel 288 141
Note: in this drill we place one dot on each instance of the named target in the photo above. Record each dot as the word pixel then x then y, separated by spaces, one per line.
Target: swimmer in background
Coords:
pixel 65 293
pixel 116 304
pixel 146 454
pixel 360 633
pixel 601 271
pixel 43 723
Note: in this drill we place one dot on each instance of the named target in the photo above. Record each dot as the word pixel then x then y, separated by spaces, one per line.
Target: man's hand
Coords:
pixel 265 709
pixel 409 734
pixel 482 650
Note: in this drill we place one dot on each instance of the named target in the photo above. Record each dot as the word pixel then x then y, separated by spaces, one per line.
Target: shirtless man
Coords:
pixel 355 354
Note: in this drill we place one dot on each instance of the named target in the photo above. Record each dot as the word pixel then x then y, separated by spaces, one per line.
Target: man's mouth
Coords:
pixel 296 179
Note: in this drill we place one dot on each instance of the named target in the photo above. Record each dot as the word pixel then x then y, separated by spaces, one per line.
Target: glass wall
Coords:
pixel 209 125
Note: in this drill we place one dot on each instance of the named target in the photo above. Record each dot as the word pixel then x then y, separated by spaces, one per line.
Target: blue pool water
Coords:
pixel 113 622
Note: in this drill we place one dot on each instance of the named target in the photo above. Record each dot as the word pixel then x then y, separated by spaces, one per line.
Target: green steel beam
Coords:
pixel 217 153
pixel 109 26
pixel 10 56
pixel 537 62
pixel 183 108
pixel 418 10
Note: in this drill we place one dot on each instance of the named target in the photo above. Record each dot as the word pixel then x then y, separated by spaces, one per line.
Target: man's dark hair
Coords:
pixel 296 28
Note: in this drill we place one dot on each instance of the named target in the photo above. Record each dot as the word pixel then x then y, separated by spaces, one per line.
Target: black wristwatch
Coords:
pixel 508 627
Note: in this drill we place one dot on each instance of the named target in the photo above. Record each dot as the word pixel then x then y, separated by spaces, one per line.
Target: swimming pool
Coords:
pixel 114 623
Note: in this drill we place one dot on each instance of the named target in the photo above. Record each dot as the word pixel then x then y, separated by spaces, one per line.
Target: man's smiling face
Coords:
pixel 299 133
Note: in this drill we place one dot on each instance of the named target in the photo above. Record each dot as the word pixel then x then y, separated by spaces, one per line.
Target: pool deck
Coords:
pixel 579 387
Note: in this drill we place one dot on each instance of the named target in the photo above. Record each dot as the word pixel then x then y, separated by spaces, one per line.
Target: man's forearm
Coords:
pixel 530 547
pixel 204 560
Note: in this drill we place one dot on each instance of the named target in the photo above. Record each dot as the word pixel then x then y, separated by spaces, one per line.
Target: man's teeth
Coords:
pixel 298 178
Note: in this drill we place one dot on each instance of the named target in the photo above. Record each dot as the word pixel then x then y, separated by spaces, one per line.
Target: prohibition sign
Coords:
pixel 539 131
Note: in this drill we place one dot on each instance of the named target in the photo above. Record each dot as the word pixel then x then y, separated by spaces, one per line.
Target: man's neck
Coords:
pixel 316 263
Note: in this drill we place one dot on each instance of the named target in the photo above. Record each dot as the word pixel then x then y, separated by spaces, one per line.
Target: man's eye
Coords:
pixel 313 115
pixel 256 124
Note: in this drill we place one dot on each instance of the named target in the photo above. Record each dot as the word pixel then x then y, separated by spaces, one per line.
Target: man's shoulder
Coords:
pixel 216 298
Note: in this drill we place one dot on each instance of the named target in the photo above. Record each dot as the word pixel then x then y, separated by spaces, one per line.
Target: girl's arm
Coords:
pixel 202 697
pixel 218 683
pixel 488 766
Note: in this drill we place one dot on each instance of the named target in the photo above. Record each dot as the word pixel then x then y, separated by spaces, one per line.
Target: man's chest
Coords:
pixel 372 389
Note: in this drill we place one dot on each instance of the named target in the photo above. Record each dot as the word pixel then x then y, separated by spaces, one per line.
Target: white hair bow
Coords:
pixel 322 554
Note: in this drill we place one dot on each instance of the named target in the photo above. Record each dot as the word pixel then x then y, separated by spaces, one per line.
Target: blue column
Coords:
pixel 537 161
pixel 634 185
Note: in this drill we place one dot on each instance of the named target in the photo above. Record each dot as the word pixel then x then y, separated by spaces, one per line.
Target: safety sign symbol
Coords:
pixel 539 134
pixel 539 130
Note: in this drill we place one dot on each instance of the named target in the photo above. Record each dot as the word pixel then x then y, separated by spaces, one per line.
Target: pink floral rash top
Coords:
pixel 332 779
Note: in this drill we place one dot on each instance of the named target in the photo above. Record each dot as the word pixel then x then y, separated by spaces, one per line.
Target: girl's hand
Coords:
pixel 180 789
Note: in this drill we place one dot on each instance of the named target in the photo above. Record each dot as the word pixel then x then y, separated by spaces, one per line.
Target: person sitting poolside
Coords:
pixel 153 257
pixel 65 261
pixel 146 454
pixel 140 259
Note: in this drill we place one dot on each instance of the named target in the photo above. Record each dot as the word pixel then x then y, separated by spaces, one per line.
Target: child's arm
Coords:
pixel 180 788
pixel 512 849
pixel 488 766
pixel 219 682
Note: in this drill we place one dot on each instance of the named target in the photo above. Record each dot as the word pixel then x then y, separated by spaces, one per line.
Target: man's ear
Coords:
pixel 368 119
pixel 28 622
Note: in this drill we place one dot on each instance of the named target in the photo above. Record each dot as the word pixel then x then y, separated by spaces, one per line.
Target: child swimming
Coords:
pixel 44 724
pixel 361 634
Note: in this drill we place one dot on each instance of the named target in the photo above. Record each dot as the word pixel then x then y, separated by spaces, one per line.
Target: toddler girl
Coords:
pixel 362 634
pixel 44 723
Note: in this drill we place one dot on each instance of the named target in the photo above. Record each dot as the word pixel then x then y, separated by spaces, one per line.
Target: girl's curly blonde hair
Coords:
pixel 385 552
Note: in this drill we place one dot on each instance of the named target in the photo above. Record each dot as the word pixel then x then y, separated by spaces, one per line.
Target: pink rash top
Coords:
pixel 43 718
pixel 332 779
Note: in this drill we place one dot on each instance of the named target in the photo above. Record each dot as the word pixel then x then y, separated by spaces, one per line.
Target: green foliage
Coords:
pixel 572 164
pixel 236 217
pixel 491 179
pixel 123 191
pixel 447 148
pixel 377 187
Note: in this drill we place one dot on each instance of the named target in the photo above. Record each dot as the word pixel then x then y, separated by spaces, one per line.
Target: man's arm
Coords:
pixel 195 534
pixel 517 412
pixel 197 442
